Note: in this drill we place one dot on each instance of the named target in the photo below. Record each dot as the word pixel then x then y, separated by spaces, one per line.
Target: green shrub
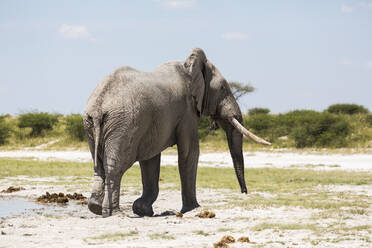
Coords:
pixel 349 109
pixel 37 121
pixel 274 126
pixel 75 127
pixel 4 130
pixel 292 119
pixel 255 111
pixel 305 128
pixel 206 126
pixel 369 120
pixel 261 124
pixel 320 130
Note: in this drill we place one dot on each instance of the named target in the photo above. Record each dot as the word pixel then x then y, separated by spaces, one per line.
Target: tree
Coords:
pixel 239 89
pixel 37 121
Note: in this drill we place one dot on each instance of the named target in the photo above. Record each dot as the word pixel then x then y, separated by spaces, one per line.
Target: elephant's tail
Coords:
pixel 97 131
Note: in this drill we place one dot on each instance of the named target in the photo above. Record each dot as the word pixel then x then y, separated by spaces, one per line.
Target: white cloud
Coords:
pixel 74 32
pixel 346 8
pixel 234 36
pixel 177 4
pixel 366 5
pixel 369 64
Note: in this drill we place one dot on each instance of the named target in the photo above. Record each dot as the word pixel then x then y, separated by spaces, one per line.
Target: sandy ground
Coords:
pixel 322 161
pixel 74 226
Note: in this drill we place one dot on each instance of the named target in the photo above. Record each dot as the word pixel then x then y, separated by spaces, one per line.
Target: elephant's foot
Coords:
pixel 142 208
pixel 187 208
pixel 107 212
pixel 94 205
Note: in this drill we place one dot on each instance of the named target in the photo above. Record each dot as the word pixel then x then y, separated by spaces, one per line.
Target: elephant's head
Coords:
pixel 213 97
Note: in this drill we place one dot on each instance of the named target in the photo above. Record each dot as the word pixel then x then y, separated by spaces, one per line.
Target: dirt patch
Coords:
pixel 12 189
pixel 206 214
pixel 61 198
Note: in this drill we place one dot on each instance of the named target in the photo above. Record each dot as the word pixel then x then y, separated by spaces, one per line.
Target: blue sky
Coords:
pixel 297 54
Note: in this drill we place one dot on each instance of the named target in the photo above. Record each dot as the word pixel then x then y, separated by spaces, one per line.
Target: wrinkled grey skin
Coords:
pixel 133 116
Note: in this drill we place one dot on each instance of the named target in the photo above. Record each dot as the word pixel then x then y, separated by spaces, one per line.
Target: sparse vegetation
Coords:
pixel 260 179
pixel 115 236
pixel 201 232
pixel 161 236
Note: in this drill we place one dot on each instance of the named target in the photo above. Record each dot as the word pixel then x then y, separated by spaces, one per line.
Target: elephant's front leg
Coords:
pixel 188 156
pixel 113 175
pixel 150 182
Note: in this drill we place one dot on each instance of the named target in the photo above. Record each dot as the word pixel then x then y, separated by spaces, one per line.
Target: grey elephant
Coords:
pixel 133 116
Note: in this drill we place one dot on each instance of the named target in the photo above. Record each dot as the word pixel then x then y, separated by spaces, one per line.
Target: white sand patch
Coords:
pixel 223 159
pixel 75 226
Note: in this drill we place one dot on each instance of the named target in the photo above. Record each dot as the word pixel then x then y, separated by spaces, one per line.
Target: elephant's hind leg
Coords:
pixel 113 174
pixel 150 182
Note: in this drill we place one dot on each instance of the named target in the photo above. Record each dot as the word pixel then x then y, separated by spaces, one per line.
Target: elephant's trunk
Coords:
pixel 235 140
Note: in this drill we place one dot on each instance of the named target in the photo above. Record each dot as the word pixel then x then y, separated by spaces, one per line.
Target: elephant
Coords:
pixel 133 116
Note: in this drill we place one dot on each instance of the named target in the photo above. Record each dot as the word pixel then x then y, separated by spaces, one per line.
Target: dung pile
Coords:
pixel 12 189
pixel 223 243
pixel 206 214
pixel 244 239
pixel 76 196
pixel 60 198
pixel 53 198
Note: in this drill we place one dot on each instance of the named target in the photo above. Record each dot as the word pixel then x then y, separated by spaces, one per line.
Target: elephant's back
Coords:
pixel 110 87
pixel 128 86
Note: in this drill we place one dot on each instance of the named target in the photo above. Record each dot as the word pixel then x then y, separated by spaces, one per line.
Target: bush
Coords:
pixel 206 126
pixel 274 126
pixel 4 130
pixel 262 124
pixel 255 111
pixel 75 127
pixel 320 130
pixel 37 121
pixel 349 109
pixel 307 128
pixel 369 120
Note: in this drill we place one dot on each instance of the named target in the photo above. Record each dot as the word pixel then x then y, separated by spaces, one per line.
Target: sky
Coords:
pixel 298 54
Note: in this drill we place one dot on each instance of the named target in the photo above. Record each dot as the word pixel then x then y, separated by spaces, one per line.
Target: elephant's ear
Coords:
pixel 195 66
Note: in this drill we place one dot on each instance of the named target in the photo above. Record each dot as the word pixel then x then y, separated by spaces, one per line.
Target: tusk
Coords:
pixel 246 133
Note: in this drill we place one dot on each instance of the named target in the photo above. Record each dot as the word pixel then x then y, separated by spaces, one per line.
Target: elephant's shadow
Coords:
pixel 163 214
